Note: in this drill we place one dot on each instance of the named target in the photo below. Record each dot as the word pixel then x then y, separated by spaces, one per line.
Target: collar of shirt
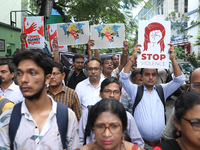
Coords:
pixel 24 109
pixel 62 90
pixel 145 89
pixel 11 87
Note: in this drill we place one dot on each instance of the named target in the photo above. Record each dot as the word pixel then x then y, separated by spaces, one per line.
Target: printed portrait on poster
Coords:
pixel 154 38
pixel 34 28
pixel 73 33
pixel 52 32
pixel 108 35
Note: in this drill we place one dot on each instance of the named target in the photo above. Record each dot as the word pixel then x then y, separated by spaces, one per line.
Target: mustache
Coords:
pixel 93 74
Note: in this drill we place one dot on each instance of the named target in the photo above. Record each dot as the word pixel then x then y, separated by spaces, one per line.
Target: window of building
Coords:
pixel 176 5
pixel 186 6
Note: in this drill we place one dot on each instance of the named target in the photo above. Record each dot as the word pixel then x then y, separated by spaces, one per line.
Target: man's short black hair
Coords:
pixel 100 62
pixel 134 73
pixel 40 57
pixel 10 66
pixel 77 56
pixel 110 80
pixel 58 65
pixel 142 70
pixel 114 55
pixel 103 60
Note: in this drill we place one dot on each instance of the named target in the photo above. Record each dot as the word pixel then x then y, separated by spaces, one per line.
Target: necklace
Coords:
pixel 123 145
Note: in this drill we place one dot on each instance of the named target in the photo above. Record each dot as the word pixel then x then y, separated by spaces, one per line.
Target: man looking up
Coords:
pixel 72 77
pixel 61 93
pixel 38 122
pixel 88 89
pixel 149 113
pixel 8 88
pixel 194 86
pixel 111 88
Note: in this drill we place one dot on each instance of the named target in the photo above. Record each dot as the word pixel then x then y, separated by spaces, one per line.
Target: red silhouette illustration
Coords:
pixel 51 36
pixel 152 32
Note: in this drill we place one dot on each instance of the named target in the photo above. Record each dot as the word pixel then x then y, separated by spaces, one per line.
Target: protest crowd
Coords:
pixel 112 103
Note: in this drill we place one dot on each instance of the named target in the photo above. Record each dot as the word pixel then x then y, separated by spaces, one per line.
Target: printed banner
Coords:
pixel 73 33
pixel 154 38
pixel 108 35
pixel 52 32
pixel 34 28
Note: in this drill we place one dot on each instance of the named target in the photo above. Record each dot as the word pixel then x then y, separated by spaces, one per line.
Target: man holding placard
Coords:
pixel 149 114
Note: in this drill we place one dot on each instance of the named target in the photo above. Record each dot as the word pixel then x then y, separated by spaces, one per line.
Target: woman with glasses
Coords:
pixel 108 120
pixel 187 123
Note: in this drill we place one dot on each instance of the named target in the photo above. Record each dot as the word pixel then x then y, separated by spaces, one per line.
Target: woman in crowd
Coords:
pixel 108 120
pixel 187 123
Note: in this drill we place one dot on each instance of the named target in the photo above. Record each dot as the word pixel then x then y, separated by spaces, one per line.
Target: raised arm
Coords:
pixel 22 39
pixel 96 51
pixel 56 53
pixel 124 56
pixel 132 58
pixel 176 68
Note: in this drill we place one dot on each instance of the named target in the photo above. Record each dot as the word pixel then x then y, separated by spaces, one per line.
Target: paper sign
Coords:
pixel 108 35
pixel 73 33
pixel 52 32
pixel 34 28
pixel 154 38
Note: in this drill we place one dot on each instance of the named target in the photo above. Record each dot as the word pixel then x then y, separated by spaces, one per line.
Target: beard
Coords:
pixel 37 95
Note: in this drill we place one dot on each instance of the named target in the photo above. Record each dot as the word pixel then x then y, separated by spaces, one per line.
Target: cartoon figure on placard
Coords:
pixel 154 37
pixel 73 30
pixel 108 32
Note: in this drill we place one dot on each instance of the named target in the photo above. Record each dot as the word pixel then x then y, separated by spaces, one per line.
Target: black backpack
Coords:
pixel 62 121
pixel 140 92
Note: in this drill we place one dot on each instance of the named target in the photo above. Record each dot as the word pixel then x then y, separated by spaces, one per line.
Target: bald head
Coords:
pixel 195 79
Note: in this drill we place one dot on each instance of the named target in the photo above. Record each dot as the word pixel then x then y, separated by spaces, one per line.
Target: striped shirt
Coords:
pixel 68 97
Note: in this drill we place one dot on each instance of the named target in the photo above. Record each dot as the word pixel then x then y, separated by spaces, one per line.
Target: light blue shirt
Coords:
pixel 149 113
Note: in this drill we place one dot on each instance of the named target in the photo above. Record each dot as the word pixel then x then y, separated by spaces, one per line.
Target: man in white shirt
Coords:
pixel 8 88
pixel 39 124
pixel 88 89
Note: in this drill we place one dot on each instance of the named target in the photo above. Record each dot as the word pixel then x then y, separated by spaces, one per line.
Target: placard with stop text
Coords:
pixel 34 28
pixel 52 32
pixel 154 37
pixel 73 33
pixel 108 35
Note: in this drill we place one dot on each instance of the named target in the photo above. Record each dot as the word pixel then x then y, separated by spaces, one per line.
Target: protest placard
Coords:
pixel 73 33
pixel 34 28
pixel 52 32
pixel 108 35
pixel 154 36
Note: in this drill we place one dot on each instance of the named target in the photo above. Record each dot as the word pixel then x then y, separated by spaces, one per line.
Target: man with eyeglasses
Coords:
pixel 78 74
pixel 194 86
pixel 110 88
pixel 61 93
pixel 88 89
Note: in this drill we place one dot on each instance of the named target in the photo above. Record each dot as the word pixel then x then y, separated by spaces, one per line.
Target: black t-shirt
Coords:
pixel 168 145
pixel 75 79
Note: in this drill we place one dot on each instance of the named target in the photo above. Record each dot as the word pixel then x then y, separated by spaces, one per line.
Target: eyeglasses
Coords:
pixel 110 92
pixel 113 128
pixel 195 85
pixel 95 69
pixel 55 74
pixel 194 123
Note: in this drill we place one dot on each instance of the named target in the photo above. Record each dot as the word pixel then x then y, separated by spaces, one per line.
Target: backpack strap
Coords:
pixel 85 72
pixel 69 76
pixel 14 123
pixel 159 90
pixel 139 95
pixel 62 121
pixel 3 101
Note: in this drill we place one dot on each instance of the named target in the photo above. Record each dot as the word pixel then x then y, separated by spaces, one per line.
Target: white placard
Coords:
pixel 108 35
pixel 154 37
pixel 73 33
pixel 34 28
pixel 52 32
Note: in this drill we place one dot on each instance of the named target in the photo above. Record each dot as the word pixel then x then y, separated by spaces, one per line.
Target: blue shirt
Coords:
pixel 149 113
